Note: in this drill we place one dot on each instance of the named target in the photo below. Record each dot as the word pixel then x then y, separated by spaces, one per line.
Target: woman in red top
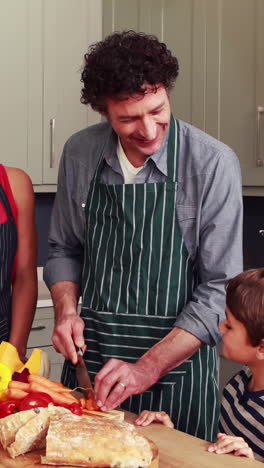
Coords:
pixel 18 250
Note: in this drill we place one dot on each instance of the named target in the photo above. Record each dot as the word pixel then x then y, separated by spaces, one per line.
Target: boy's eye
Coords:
pixel 228 326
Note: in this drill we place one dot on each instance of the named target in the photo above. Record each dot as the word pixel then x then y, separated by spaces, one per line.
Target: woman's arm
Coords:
pixel 24 288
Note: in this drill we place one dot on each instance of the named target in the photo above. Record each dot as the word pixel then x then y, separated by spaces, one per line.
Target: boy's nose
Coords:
pixel 222 327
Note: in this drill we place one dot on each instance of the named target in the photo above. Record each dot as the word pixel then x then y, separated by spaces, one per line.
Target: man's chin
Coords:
pixel 149 149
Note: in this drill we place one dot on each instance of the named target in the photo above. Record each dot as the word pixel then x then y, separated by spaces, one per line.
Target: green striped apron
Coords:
pixel 137 277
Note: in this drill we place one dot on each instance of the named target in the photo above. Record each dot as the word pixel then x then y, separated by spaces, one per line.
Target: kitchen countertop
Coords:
pixel 176 450
pixel 180 450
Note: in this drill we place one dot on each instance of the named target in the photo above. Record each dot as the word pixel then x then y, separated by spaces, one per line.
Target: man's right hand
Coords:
pixel 68 330
pixel 67 335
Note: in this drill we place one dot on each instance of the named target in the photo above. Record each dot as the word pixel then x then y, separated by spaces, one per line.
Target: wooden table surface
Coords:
pixel 176 450
pixel 180 450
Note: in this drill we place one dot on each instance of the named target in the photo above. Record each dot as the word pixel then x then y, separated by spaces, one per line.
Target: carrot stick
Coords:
pixel 57 397
pixel 59 384
pixel 15 384
pixel 41 380
pixel 16 394
pixel 60 389
pixel 82 402
pixel 68 395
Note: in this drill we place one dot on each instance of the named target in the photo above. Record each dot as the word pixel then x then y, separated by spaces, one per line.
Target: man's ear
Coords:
pixel 260 349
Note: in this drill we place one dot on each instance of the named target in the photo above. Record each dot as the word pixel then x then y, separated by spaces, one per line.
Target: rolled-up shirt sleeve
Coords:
pixel 219 248
pixel 65 259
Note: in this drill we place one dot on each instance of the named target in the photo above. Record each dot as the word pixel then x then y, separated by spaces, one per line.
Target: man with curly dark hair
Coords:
pixel 147 226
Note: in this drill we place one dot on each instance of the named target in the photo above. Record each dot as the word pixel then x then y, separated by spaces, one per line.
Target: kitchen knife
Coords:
pixel 82 375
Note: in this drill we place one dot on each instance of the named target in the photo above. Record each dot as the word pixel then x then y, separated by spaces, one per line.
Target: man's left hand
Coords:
pixel 118 380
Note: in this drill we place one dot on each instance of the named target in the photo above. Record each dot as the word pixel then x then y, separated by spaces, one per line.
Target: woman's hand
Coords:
pixel 147 417
pixel 231 444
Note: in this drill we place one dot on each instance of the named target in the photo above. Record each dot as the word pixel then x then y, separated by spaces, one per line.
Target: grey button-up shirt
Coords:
pixel 209 210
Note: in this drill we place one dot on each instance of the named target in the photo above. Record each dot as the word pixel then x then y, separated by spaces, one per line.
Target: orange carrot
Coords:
pixel 59 384
pixel 68 395
pixel 57 397
pixel 91 405
pixel 82 402
pixel 16 394
pixel 51 384
pixel 15 384
pixel 41 380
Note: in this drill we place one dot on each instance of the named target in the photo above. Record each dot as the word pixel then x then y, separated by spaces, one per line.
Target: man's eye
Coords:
pixel 228 326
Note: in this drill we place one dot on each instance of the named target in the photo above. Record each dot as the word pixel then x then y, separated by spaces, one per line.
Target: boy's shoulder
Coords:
pixel 240 380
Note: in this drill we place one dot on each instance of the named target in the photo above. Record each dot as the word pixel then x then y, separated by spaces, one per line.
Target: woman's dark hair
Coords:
pixel 245 299
pixel 122 64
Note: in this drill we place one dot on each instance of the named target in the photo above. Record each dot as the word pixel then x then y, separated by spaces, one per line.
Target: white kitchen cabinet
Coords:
pixel 40 337
pixel 220 48
pixel 21 85
pixel 235 75
pixel 69 27
pixel 42 44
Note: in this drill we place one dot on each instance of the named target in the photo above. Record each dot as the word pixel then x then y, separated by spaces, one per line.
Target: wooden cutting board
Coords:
pixel 176 450
pixel 32 459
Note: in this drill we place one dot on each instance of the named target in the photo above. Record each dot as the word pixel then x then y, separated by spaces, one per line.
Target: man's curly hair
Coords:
pixel 122 64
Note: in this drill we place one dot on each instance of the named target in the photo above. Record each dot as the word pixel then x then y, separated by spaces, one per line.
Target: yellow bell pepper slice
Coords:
pixel 5 377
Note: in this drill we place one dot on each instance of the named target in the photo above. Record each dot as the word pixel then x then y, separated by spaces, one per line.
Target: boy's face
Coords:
pixel 236 344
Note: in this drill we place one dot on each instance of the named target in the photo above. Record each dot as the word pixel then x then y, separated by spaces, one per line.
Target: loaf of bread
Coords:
pixel 95 442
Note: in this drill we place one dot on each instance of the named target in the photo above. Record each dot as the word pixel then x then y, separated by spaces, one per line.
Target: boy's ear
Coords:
pixel 260 349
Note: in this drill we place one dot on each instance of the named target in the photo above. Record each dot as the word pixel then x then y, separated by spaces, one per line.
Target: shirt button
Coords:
pixel 83 205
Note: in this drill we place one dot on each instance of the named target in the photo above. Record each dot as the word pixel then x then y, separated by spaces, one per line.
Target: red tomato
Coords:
pixel 8 407
pixel 76 409
pixel 35 400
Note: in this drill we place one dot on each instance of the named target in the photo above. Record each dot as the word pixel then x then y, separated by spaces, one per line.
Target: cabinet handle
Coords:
pixel 40 327
pixel 259 159
pixel 52 143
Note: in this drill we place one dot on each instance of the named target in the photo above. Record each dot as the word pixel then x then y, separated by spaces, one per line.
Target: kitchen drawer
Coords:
pixel 41 332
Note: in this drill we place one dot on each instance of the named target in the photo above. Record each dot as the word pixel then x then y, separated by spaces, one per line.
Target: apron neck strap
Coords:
pixel 173 150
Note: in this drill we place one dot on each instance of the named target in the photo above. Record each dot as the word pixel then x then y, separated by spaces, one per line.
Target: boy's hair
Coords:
pixel 245 299
pixel 122 64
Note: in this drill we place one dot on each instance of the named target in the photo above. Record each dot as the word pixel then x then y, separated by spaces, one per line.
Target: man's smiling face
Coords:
pixel 141 121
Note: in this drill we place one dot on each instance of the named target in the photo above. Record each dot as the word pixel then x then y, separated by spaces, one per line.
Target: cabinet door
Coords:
pixel 69 28
pixel 219 45
pixel 235 75
pixel 21 85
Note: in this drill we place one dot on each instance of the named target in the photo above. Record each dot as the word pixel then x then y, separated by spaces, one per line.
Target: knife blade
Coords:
pixel 82 375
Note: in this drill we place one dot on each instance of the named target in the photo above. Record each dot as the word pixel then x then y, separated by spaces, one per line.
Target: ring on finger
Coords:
pixel 122 385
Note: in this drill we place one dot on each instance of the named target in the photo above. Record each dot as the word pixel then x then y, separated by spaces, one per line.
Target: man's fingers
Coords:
pixel 67 332
pixel 117 395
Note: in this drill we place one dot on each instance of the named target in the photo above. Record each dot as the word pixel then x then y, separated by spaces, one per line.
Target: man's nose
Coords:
pixel 148 129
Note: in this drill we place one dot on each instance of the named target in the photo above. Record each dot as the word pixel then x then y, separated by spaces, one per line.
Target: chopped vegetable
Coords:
pixel 51 384
pixel 35 400
pixel 16 394
pixel 17 384
pixel 58 397
pixel 5 377
pixel 76 409
pixel 8 407
pixel 21 376
pixel 91 404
